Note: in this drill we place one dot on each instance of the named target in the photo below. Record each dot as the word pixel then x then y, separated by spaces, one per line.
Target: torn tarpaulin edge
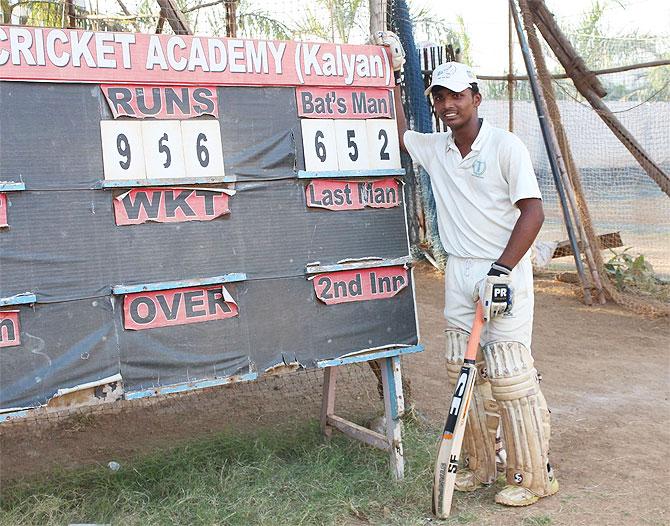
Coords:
pixel 311 269
pixel 95 383
pixel 166 285
pixel 191 386
pixel 23 298
pixel 367 355
pixel 283 367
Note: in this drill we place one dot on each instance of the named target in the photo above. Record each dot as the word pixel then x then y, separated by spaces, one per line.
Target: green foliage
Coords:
pixel 257 23
pixel 38 13
pixel 635 274
pixel 463 39
pixel 329 20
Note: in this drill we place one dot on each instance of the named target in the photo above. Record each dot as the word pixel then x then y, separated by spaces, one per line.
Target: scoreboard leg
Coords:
pixel 394 408
pixel 328 401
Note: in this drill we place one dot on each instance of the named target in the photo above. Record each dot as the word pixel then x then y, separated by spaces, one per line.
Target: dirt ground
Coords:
pixel 606 376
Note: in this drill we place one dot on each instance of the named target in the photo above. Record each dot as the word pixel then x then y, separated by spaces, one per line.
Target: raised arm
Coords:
pixel 391 40
pixel 400 118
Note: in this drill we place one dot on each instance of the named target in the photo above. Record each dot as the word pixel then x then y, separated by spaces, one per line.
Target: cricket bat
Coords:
pixel 452 436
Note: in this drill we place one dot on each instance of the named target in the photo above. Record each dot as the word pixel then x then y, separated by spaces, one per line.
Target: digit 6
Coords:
pixel 320 146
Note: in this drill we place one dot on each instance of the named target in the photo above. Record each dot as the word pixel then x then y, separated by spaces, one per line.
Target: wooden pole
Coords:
pixel 617 69
pixel 551 153
pixel 377 15
pixel 556 130
pixel 566 55
pixel 175 17
pixel 563 49
pixel 510 71
pixel 161 22
pixel 231 18
pixel 71 14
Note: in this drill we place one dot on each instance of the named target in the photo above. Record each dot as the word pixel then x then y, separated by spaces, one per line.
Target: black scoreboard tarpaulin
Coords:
pixel 84 257
pixel 64 245
pixel 260 133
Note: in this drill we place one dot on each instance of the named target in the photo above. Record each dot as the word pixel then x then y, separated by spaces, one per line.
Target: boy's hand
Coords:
pixel 390 39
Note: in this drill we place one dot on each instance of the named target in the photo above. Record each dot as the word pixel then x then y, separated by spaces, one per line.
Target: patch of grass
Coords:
pixel 466 518
pixel 537 520
pixel 242 480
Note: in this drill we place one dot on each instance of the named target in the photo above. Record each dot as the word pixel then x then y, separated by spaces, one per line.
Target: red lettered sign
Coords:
pixel 345 103
pixel 163 308
pixel 72 55
pixel 335 194
pixel 170 205
pixel 3 210
pixel 9 328
pixel 161 102
pixel 347 286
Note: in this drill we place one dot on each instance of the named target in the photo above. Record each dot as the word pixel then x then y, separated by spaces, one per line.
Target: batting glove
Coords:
pixel 390 39
pixel 495 291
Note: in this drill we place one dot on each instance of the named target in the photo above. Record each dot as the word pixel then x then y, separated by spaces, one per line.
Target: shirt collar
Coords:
pixel 481 136
pixel 477 143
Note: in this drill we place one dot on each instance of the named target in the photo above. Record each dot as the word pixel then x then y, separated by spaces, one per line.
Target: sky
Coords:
pixel 486 22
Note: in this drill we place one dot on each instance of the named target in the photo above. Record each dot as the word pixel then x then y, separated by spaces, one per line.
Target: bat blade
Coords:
pixel 450 444
pixel 452 436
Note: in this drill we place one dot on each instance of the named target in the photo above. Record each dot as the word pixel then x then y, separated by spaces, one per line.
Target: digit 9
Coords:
pixel 123 147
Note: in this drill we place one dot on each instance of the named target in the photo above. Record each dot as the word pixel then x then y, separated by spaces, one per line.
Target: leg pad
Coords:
pixel 524 415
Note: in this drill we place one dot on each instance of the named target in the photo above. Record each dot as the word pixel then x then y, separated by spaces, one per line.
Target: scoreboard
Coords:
pixel 176 210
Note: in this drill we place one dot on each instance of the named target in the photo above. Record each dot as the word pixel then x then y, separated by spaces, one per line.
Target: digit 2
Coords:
pixel 383 154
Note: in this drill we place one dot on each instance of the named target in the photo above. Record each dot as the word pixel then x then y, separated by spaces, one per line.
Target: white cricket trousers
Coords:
pixel 461 276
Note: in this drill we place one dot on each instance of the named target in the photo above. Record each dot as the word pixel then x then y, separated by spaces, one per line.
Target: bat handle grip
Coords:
pixel 475 333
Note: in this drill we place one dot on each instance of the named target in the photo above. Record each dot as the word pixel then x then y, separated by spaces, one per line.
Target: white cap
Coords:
pixel 452 75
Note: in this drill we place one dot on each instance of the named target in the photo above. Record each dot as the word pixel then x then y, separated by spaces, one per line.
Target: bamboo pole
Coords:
pixel 71 14
pixel 510 71
pixel 552 154
pixel 563 146
pixel 606 71
pixel 564 51
pixel 175 17
pixel 565 54
pixel 377 15
pixel 231 18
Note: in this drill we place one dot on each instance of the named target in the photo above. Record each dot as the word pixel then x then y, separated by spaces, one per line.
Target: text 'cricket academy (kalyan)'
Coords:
pixel 185 59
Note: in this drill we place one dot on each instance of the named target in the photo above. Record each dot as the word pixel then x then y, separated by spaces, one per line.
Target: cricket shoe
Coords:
pixel 517 496
pixel 466 481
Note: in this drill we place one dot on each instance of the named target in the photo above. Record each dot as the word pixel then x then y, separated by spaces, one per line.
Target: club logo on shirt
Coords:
pixel 478 168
